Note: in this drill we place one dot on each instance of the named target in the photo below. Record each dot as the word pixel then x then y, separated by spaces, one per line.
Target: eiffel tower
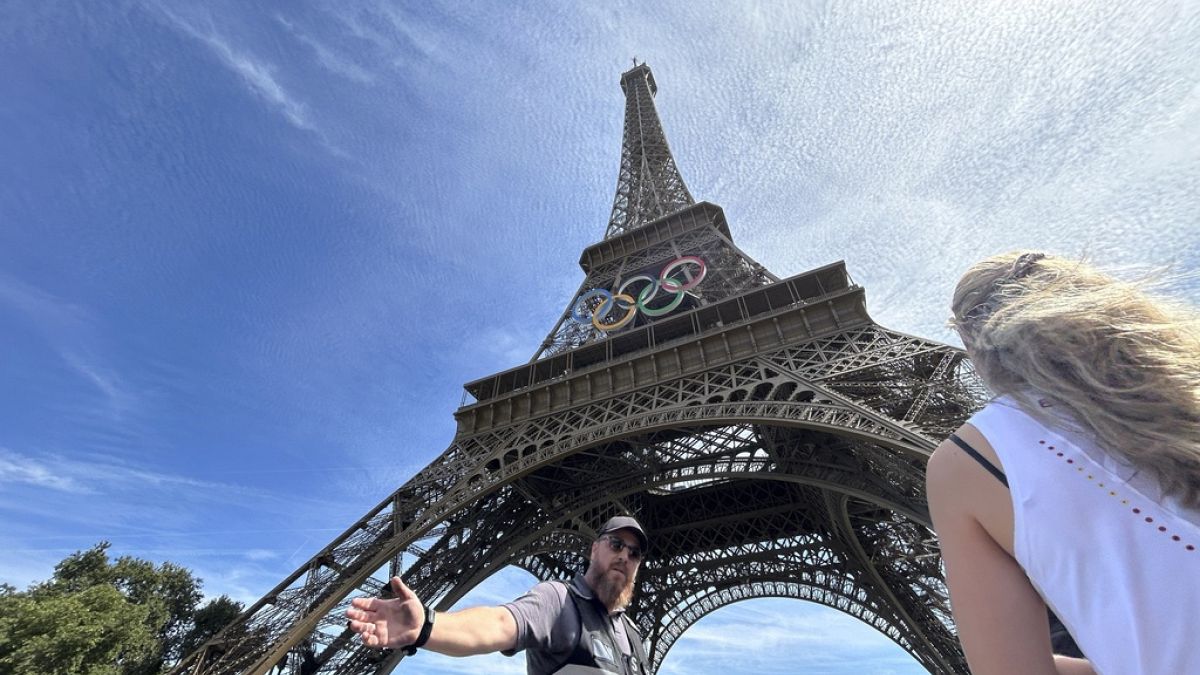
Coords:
pixel 769 435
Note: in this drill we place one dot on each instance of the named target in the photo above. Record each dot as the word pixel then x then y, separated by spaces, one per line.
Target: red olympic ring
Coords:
pixel 623 299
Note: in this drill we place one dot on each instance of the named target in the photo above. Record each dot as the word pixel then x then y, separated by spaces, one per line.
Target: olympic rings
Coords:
pixel 624 301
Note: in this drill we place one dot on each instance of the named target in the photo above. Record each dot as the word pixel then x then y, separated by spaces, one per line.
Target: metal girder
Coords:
pixel 699 433
pixel 691 454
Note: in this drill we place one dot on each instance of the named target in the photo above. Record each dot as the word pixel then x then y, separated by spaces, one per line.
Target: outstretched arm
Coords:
pixel 396 622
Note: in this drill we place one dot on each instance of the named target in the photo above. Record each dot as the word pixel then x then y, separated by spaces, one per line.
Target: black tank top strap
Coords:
pixel 983 461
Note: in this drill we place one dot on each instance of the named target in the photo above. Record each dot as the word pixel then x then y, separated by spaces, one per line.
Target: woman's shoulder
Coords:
pixel 950 466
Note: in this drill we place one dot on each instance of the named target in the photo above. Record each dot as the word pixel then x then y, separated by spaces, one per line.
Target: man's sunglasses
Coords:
pixel 617 544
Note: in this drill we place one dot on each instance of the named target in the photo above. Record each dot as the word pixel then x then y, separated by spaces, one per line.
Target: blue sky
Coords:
pixel 249 253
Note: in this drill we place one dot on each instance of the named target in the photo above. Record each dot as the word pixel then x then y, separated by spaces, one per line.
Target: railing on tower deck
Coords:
pixel 829 287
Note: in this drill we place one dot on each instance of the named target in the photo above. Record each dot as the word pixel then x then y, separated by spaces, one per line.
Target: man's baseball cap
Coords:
pixel 625 523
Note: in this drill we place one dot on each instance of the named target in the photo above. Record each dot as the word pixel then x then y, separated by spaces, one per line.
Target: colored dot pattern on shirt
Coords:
pixel 1113 493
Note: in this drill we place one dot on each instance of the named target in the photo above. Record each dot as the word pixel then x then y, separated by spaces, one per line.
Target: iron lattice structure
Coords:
pixel 770 436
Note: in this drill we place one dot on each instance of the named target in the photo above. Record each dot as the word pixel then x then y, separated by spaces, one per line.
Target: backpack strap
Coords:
pixel 580 659
pixel 580 655
pixel 635 644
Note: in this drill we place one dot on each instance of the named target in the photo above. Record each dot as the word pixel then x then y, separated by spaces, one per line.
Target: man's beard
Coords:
pixel 615 590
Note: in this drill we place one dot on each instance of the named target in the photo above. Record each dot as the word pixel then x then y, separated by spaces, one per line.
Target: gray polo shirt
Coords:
pixel 548 627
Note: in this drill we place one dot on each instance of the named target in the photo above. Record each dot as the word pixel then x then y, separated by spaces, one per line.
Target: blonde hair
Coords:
pixel 1123 364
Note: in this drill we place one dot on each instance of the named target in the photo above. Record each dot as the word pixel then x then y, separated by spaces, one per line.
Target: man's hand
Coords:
pixel 397 622
pixel 388 624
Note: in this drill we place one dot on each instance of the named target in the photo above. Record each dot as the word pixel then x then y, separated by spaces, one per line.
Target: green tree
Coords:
pixel 92 632
pixel 207 622
pixel 95 616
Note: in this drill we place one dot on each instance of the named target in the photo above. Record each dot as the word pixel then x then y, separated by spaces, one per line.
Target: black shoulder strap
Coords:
pixel 991 468
pixel 580 658
pixel 635 643
pixel 580 654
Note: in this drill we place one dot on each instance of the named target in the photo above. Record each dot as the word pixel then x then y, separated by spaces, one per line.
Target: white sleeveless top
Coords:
pixel 1118 563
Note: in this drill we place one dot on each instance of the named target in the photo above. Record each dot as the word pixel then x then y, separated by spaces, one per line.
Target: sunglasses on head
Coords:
pixel 617 544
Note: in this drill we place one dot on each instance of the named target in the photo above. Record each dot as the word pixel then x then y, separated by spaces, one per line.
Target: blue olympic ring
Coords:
pixel 586 309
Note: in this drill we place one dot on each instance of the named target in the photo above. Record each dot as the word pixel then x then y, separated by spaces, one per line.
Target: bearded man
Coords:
pixel 576 627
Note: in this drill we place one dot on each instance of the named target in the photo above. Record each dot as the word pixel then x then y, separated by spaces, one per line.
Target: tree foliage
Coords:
pixel 99 617
pixel 207 622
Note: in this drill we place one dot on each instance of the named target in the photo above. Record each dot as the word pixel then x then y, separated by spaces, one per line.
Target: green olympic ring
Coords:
pixel 583 310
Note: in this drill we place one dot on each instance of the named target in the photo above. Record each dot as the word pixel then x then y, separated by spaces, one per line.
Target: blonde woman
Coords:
pixel 1078 486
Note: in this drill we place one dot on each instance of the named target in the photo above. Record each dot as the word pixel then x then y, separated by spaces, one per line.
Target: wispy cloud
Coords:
pixel 102 475
pixel 87 498
pixel 506 347
pixel 816 639
pixel 359 28
pixel 119 396
pixel 257 75
pixel 70 330
pixel 328 57
pixel 262 78
pixel 409 42
pixel 406 26
pixel 53 504
pixel 17 468
pixel 768 629
pixel 51 315
pixel 261 554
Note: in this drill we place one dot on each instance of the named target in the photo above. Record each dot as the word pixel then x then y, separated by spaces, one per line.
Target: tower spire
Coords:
pixel 648 184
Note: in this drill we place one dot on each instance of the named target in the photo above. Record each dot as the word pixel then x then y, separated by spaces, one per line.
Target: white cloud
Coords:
pixel 785 636
pixel 71 330
pixel 258 75
pixel 260 78
pixel 412 31
pixel 120 397
pixel 101 475
pixel 18 468
pixel 50 313
pixel 359 28
pixel 328 57
pixel 506 347
pixel 261 554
